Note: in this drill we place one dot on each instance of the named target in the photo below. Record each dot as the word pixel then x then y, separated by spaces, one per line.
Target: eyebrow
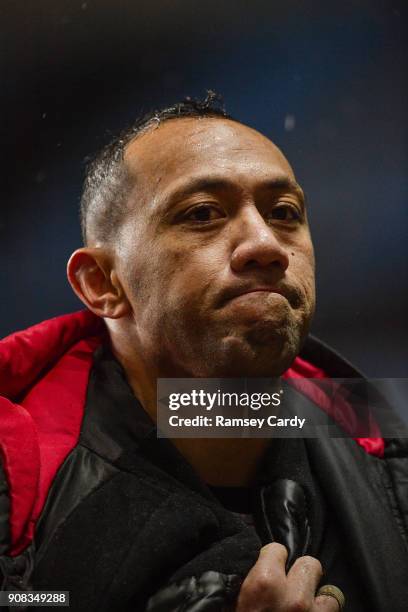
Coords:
pixel 217 184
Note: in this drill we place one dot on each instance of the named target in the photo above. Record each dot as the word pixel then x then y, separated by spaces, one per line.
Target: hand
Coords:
pixel 267 587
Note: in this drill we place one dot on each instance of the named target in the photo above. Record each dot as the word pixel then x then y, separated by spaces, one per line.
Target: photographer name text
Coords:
pixel 221 421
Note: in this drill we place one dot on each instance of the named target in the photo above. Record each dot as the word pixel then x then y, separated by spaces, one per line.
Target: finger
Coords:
pixel 265 584
pixel 324 603
pixel 276 553
pixel 302 582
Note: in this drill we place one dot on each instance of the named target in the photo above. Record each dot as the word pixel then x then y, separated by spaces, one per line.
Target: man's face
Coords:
pixel 215 253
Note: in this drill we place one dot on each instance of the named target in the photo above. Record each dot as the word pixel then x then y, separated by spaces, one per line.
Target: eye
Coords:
pixel 204 213
pixel 284 212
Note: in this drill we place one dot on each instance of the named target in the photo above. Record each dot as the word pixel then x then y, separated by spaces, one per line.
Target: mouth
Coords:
pixel 261 290
pixel 235 292
pixel 253 294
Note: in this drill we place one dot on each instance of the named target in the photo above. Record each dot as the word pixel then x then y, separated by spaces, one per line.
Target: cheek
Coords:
pixel 174 279
pixel 189 278
pixel 197 264
pixel 302 269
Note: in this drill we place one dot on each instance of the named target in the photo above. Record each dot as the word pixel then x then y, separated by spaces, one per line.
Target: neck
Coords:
pixel 230 462
pixel 140 373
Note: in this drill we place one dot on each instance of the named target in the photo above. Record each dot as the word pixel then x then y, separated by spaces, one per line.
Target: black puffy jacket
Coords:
pixel 128 525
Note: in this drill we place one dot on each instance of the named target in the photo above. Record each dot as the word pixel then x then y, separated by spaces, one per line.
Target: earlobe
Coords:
pixel 92 276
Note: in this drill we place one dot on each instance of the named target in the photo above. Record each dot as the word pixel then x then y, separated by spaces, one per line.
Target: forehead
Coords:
pixel 181 149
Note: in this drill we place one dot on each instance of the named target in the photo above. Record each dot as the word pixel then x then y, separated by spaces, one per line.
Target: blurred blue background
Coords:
pixel 326 81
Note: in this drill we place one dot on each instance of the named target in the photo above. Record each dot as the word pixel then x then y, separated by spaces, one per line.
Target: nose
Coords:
pixel 257 245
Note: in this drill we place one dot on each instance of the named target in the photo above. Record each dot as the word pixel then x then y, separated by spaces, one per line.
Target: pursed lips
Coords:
pixel 236 292
pixel 261 289
pixel 257 290
pixel 292 295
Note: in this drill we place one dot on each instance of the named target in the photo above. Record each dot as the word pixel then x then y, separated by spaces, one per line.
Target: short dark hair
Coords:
pixel 107 183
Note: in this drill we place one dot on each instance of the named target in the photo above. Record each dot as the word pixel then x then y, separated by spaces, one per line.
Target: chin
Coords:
pixel 261 353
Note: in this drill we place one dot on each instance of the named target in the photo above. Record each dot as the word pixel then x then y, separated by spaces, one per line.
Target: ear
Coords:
pixel 93 278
